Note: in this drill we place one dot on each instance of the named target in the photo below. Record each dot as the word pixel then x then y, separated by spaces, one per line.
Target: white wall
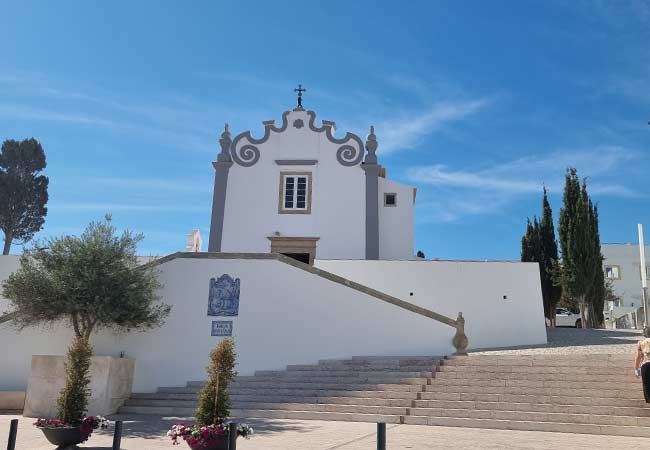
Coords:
pixel 338 196
pixel 286 316
pixel 627 257
pixel 475 288
pixel 396 222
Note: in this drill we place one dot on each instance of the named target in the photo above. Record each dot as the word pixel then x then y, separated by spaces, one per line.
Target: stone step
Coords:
pixel 594 385
pixel 535 407
pixel 377 364
pixel 158 411
pixel 327 383
pixel 555 376
pixel 303 390
pixel 603 360
pixel 529 398
pixel 278 386
pixel 557 391
pixel 288 393
pixel 268 375
pixel 313 415
pixel 557 427
pixel 161 402
pixel 324 407
pixel 364 401
pixel 347 369
pixel 164 396
pixel 627 370
pixel 527 416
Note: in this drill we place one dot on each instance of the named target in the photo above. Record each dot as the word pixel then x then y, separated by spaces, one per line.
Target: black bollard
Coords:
pixel 13 431
pixel 381 436
pixel 117 435
pixel 232 436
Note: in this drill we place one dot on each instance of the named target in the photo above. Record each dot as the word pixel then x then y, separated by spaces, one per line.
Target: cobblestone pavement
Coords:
pixel 563 341
pixel 148 433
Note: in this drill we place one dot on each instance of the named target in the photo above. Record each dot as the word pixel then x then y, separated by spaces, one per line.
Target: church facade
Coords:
pixel 300 191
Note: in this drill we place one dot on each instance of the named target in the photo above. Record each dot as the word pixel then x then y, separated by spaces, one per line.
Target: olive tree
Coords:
pixel 91 282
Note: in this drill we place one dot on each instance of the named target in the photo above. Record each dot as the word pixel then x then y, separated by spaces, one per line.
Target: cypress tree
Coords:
pixel 539 245
pixel 551 291
pixel 578 249
pixel 598 291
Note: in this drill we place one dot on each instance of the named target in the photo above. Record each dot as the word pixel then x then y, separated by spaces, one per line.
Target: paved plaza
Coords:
pixel 148 433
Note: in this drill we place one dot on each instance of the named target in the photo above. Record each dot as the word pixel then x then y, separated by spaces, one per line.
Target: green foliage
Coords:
pixel 539 245
pixel 214 400
pixel 92 281
pixel 74 397
pixel 582 276
pixel 23 192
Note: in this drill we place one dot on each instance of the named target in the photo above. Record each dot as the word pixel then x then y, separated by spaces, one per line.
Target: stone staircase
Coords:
pixel 369 389
pixel 594 394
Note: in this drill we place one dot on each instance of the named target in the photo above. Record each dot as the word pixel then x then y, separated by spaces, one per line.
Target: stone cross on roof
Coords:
pixel 300 90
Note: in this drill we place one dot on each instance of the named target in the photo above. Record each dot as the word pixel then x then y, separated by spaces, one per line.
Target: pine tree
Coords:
pixel 23 190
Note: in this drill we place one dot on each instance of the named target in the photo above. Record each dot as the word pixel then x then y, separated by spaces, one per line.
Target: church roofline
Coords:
pixel 350 152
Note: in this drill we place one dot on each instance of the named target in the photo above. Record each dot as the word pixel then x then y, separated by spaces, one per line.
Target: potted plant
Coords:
pixel 89 282
pixel 210 432
pixel 72 427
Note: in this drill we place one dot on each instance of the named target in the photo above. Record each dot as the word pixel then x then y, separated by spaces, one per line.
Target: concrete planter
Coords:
pixel 221 443
pixel 12 400
pixel 111 380
pixel 65 437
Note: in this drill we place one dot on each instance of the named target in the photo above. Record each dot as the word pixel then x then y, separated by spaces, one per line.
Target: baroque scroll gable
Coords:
pixel 245 150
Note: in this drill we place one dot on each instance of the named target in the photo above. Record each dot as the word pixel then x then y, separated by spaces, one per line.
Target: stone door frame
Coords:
pixel 293 244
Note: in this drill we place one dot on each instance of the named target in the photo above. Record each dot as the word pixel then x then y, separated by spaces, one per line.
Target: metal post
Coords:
pixel 644 280
pixel 381 436
pixel 13 431
pixel 232 436
pixel 117 435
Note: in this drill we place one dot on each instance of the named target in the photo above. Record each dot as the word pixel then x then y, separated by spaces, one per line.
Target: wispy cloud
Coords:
pixel 409 129
pixel 457 193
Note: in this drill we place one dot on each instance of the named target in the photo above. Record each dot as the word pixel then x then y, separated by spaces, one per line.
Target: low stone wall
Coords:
pixel 12 400
pixel 110 385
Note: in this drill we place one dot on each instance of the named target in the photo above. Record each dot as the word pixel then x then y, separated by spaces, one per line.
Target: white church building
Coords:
pixel 310 256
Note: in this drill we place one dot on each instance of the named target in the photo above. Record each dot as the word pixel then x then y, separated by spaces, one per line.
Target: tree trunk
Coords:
pixel 583 314
pixel 592 321
pixel 7 247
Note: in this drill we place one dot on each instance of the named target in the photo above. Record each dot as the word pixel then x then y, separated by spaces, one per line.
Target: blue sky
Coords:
pixel 476 103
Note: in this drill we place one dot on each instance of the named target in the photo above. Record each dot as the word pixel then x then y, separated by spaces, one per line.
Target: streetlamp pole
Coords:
pixel 644 278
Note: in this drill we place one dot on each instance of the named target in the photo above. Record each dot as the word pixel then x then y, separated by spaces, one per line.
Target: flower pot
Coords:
pixel 65 436
pixel 219 443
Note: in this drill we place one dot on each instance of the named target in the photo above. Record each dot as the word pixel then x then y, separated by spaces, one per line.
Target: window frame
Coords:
pixel 282 188
pixel 386 194
pixel 618 267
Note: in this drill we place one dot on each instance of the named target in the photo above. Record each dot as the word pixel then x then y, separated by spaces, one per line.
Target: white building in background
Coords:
pixel 347 285
pixel 622 267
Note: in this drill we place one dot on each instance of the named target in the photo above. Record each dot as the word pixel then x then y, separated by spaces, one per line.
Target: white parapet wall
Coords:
pixel 500 300
pixel 287 315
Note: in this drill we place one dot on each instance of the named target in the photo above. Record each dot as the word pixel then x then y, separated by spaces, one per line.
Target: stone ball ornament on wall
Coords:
pixel 223 298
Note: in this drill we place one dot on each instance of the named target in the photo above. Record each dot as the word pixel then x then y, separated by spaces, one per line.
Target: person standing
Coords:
pixel 641 363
